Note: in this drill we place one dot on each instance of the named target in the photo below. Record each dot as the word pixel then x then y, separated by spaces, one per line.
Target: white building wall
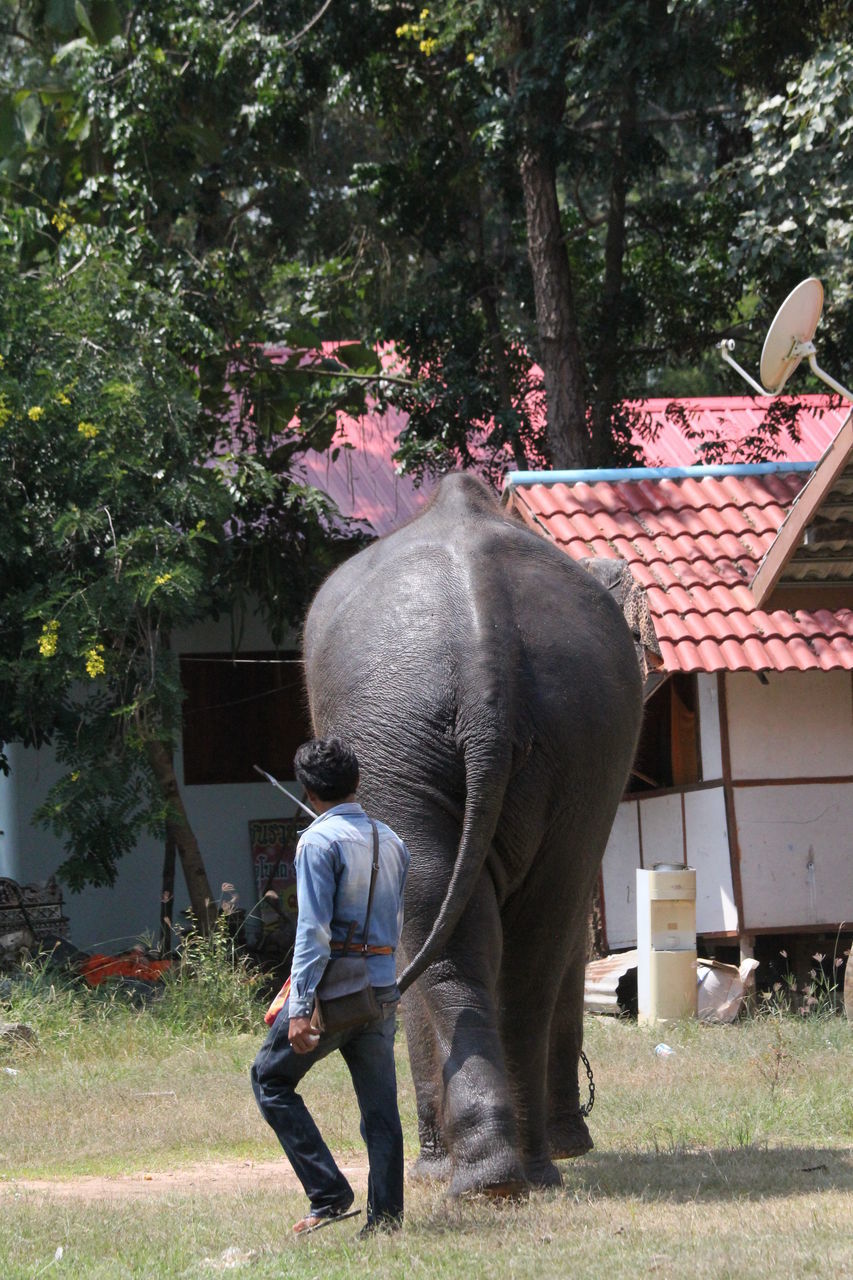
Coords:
pixel 665 833
pixel 219 815
pixel 709 727
pixel 708 852
pixel 797 725
pixel 795 840
pixel 9 817
pixel 619 878
pixel 796 847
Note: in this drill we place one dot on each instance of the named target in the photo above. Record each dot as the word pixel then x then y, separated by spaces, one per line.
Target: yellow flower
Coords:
pixel 427 46
pixel 35 413
pixel 62 219
pixel 47 639
pixel 62 399
pixel 162 579
pixel 87 430
pixel 469 57
pixel 95 665
pixel 2 362
pixel 424 15
pixel 75 775
pixel 200 525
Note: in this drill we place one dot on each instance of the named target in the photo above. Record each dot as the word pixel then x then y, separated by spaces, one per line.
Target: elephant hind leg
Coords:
pixel 433 1163
pixel 568 1135
pixel 527 1009
pixel 472 1109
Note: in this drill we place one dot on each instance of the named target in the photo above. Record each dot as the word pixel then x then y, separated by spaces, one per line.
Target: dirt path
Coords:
pixel 208 1176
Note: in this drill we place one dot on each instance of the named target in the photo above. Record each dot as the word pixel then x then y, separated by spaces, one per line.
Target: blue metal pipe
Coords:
pixel 615 475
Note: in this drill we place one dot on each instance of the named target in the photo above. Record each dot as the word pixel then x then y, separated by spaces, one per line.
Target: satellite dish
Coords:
pixel 793 326
pixel 788 341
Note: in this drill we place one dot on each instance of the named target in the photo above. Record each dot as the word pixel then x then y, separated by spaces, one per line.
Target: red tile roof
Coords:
pixel 694 542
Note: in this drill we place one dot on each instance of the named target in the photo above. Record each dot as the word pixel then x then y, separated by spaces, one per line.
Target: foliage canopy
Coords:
pixel 606 187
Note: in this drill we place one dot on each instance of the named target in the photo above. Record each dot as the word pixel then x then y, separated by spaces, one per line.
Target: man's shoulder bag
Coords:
pixel 344 998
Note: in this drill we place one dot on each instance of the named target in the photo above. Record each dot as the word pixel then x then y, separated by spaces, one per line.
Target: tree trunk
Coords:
pixel 178 828
pixel 536 44
pixel 556 322
pixel 607 355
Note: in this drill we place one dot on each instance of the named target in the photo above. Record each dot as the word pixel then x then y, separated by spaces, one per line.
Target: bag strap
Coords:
pixel 374 870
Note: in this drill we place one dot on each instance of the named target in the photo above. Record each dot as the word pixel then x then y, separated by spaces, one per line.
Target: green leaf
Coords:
pixel 72 46
pixel 358 357
pixel 84 19
pixel 29 116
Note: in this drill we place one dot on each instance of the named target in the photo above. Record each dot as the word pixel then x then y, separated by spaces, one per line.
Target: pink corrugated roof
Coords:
pixel 365 485
pixel 666 428
pixel 694 542
pixel 363 480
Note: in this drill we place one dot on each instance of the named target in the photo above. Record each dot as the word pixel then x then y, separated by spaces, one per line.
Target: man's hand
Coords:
pixel 302 1035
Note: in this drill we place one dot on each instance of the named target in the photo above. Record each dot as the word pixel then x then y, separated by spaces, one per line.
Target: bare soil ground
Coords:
pixel 209 1176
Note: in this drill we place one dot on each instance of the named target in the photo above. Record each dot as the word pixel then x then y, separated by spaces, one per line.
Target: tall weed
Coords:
pixel 211 986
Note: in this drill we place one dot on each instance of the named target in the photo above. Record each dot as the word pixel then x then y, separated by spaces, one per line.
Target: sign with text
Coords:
pixel 273 848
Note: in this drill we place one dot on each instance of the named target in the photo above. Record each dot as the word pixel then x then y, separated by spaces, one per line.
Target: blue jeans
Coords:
pixel 369 1055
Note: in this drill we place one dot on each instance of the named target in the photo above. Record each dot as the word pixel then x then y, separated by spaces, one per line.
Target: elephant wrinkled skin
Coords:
pixel 491 691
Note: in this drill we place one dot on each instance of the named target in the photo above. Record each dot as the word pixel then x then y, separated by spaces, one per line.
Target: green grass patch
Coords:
pixel 731 1158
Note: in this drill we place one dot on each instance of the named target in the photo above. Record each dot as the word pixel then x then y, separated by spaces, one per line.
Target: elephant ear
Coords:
pixel 630 595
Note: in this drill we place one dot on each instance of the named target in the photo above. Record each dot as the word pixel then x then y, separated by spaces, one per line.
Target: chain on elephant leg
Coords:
pixel 569 1136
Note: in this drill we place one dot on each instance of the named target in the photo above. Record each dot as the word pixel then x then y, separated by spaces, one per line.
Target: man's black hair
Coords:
pixel 327 767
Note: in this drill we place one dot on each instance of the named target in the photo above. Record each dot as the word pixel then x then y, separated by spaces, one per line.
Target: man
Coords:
pixel 333 865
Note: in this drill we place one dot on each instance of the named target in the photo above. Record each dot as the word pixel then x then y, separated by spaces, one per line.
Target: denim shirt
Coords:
pixel 333 861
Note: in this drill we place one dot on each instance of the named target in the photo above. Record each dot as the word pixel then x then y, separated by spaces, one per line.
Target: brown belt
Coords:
pixel 355 948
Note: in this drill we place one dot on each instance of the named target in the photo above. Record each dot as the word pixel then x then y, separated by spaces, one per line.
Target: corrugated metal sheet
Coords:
pixel 694 543
pixel 362 480
pixel 610 985
pixel 672 432
pixel 365 486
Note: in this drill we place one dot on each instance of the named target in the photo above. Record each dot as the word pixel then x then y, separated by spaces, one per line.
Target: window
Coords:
pixel 668 751
pixel 242 712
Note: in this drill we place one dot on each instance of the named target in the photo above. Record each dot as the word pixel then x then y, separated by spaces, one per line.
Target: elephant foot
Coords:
pixel 431 1168
pixel 499 1180
pixel 543 1173
pixel 570 1138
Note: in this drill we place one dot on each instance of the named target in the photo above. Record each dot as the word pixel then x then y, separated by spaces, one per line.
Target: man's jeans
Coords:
pixel 369 1054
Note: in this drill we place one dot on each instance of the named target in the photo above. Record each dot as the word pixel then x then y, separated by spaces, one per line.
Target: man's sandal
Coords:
pixel 316 1221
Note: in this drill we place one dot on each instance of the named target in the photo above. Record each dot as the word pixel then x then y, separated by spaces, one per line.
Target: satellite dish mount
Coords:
pixel 788 341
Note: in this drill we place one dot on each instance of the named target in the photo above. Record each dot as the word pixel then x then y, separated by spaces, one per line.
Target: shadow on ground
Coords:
pixel 722 1174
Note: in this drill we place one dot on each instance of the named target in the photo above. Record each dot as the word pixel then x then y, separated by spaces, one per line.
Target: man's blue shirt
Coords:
pixel 333 860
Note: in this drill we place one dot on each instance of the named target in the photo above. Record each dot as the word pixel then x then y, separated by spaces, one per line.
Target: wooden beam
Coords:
pixel 790 535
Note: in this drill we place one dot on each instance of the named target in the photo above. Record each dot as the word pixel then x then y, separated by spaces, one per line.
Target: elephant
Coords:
pixel 491 691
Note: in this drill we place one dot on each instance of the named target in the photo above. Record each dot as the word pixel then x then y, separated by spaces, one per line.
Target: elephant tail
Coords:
pixel 487 767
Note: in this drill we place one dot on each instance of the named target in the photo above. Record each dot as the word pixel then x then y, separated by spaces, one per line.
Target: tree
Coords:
pixel 126 516
pixel 563 181
pixel 148 435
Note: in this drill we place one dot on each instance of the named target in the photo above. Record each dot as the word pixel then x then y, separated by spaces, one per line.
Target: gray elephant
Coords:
pixel 492 693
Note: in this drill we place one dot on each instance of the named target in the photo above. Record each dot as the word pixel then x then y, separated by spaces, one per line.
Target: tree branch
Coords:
pixel 288 44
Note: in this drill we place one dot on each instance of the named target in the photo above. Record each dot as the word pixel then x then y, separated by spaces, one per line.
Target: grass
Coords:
pixel 733 1157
